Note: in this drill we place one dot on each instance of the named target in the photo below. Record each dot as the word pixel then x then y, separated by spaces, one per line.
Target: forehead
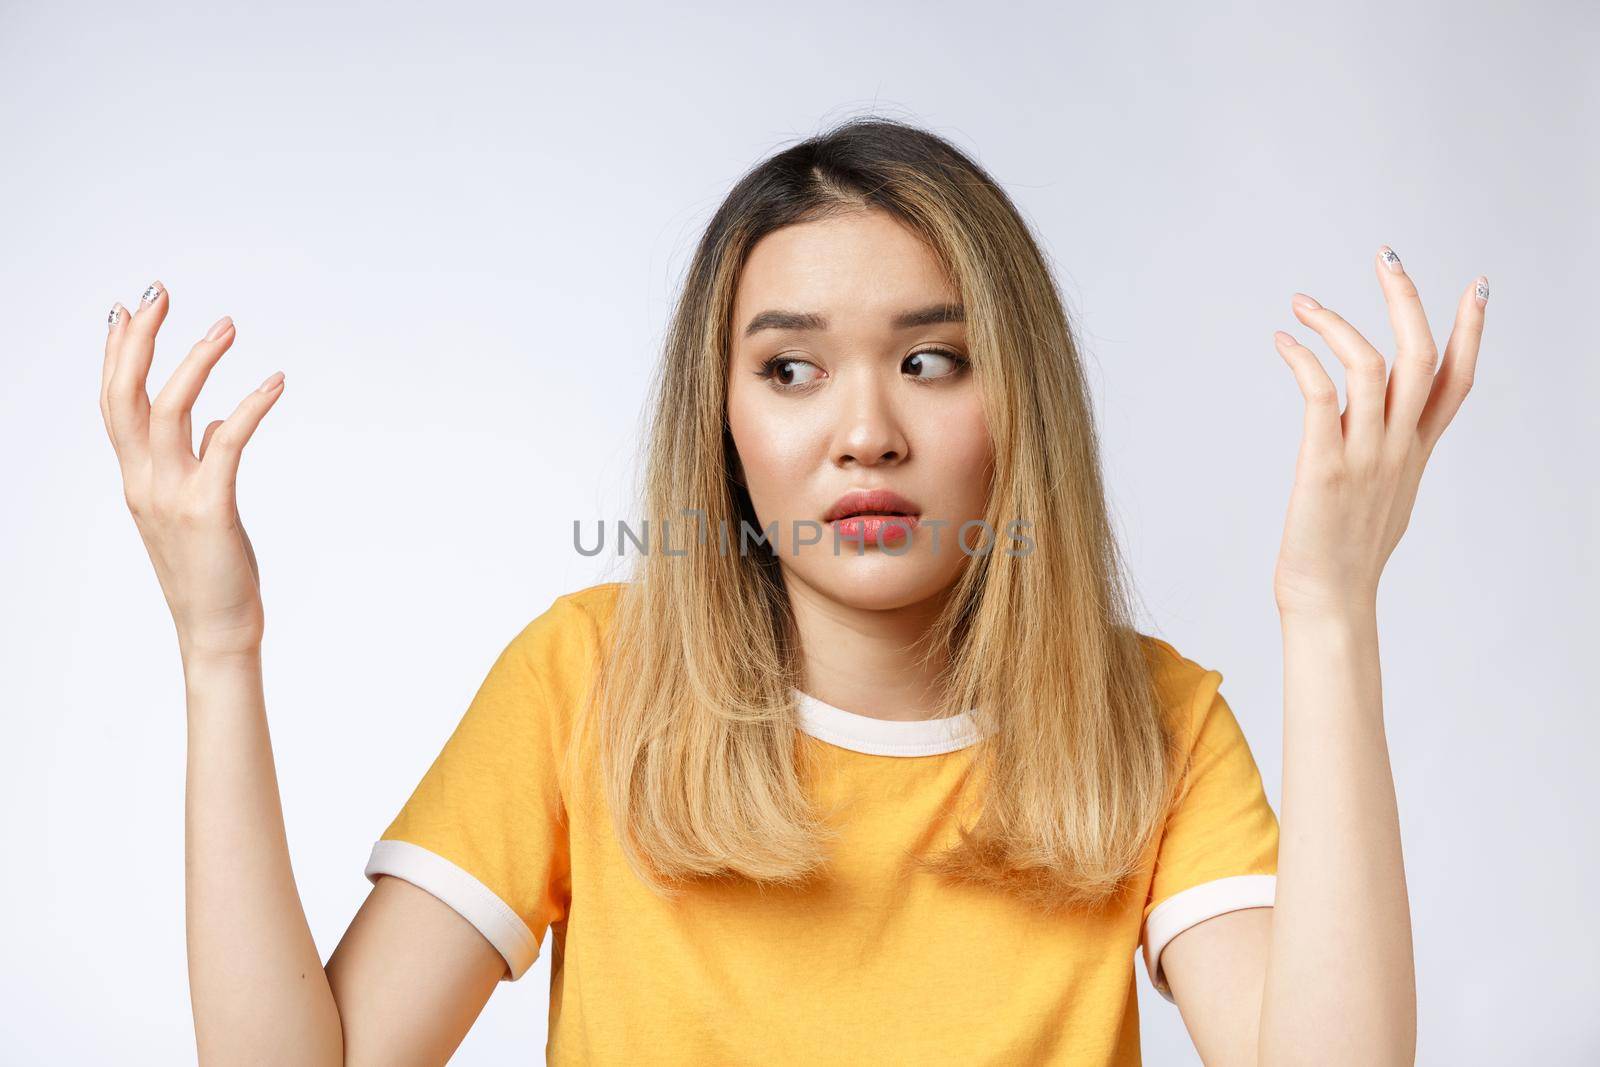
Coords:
pixel 865 264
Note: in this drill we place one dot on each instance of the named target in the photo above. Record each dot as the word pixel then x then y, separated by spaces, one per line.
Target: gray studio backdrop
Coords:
pixel 457 230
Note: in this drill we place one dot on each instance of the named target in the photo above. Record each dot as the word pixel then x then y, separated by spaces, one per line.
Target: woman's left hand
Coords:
pixel 1357 473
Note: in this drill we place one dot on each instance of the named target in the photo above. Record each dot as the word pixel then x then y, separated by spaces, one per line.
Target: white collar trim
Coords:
pixel 884 737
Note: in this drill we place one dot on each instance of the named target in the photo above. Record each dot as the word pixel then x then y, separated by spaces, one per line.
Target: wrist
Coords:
pixel 1329 624
pixel 199 659
pixel 1322 607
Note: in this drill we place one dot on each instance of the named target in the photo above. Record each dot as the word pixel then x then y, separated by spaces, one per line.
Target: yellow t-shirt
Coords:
pixel 879 963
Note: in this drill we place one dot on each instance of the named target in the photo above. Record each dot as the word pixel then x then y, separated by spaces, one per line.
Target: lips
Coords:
pixel 871 502
pixel 875 516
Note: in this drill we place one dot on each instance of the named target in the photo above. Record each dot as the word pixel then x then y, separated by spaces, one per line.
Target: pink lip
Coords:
pixel 873 516
pixel 876 529
pixel 871 502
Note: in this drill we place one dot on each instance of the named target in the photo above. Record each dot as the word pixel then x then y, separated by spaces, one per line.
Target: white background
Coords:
pixel 457 229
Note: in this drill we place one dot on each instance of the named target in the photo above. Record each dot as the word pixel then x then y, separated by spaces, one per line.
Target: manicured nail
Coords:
pixel 218 328
pixel 271 383
pixel 1481 293
pixel 1284 338
pixel 1305 303
pixel 115 317
pixel 1390 260
pixel 151 293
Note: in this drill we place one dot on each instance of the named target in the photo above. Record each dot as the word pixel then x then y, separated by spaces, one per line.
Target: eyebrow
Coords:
pixel 931 315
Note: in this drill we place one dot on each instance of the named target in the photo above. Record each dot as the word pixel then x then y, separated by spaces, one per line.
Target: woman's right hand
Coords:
pixel 185 505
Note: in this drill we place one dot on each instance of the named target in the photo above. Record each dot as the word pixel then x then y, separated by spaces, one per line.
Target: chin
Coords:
pixel 875 581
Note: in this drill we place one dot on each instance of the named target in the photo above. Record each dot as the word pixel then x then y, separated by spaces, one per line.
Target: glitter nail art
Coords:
pixel 1391 260
pixel 150 294
pixel 113 318
pixel 1482 292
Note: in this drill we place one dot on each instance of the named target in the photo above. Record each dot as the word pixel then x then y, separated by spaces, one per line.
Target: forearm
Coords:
pixel 1340 982
pixel 256 981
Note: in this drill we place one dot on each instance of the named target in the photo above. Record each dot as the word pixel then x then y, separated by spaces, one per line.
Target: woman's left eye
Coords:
pixel 934 363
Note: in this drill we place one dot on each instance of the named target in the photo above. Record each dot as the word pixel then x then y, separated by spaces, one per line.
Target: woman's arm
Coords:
pixel 1332 961
pixel 1325 976
pixel 1340 985
pixel 405 984
pixel 412 975
pixel 255 978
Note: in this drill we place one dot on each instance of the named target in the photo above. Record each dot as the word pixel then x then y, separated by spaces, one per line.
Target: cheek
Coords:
pixel 962 448
pixel 775 447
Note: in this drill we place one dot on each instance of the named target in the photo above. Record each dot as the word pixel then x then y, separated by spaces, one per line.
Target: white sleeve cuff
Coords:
pixel 470 898
pixel 1195 905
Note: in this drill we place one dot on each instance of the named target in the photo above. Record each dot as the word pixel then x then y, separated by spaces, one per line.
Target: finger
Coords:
pixel 1416 358
pixel 1323 436
pixel 129 404
pixel 205 438
pixel 221 465
pixel 171 429
pixel 116 323
pixel 1364 375
pixel 1459 366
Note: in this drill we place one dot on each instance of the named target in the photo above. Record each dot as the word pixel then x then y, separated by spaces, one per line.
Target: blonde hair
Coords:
pixel 697 729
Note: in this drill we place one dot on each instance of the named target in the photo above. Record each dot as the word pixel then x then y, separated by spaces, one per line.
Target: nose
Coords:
pixel 869 430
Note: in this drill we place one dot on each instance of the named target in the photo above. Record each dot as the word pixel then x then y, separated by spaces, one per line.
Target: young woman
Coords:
pixel 866 763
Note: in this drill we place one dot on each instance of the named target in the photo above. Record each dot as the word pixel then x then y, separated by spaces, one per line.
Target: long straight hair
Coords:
pixel 692 701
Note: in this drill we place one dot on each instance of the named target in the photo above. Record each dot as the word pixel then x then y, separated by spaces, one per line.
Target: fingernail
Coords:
pixel 151 293
pixel 1481 293
pixel 271 383
pixel 115 317
pixel 1390 260
pixel 1305 303
pixel 218 328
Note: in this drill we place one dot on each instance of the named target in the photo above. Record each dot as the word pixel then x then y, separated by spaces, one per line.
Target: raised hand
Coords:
pixel 1357 473
pixel 185 505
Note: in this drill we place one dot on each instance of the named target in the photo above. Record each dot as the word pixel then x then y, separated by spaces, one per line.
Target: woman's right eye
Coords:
pixel 787 373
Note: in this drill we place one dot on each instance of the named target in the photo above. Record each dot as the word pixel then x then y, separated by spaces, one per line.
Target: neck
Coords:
pixel 863 659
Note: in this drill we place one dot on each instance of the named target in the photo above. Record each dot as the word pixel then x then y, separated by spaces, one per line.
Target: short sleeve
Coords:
pixel 1219 850
pixel 484 830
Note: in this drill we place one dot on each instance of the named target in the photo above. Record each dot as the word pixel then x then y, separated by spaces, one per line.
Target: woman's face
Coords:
pixel 848 373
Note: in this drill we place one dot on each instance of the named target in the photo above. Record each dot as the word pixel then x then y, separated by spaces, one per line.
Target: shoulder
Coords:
pixel 562 644
pixel 599 601
pixel 539 680
pixel 589 609
pixel 1185 689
